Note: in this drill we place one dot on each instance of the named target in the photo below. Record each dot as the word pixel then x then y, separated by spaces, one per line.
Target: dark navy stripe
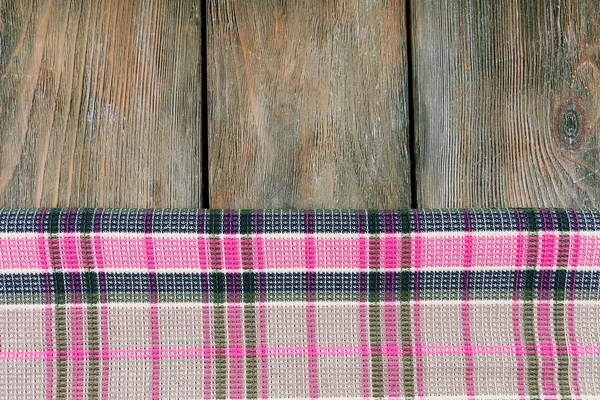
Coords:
pixel 498 284
pixel 294 221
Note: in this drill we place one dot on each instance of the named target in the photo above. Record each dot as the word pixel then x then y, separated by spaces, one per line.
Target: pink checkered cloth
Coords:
pixel 193 304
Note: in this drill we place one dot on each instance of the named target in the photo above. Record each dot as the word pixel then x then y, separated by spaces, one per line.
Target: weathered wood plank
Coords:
pixel 507 102
pixel 307 103
pixel 100 103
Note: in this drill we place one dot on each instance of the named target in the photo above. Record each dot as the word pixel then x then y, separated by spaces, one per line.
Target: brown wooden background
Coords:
pixel 294 104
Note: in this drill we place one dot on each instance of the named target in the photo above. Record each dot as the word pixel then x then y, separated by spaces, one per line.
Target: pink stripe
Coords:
pixel 77 342
pixel 548 254
pixel 312 351
pixel 71 262
pixel 48 317
pixel 331 253
pixel 465 311
pixel 309 248
pixel 231 252
pixel 418 350
pixel 519 262
pixel 362 312
pixel 546 347
pixel 234 318
pixel 544 325
pixel 572 340
pixel 154 321
pixel 283 351
pixel 389 310
pixel 262 318
pixel 590 251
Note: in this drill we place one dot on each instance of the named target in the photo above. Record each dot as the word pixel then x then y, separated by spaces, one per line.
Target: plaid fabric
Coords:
pixel 173 304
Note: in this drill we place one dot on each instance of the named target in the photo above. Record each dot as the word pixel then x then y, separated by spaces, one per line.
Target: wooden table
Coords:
pixel 294 104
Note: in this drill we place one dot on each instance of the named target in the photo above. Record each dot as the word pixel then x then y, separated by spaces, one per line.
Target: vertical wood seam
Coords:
pixel 205 202
pixel 410 102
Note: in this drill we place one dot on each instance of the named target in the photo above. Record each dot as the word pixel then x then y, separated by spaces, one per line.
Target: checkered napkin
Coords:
pixel 191 304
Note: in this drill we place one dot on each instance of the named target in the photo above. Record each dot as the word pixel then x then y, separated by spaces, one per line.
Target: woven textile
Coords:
pixel 176 304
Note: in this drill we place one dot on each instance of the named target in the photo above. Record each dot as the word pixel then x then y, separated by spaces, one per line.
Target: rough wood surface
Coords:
pixel 507 102
pixel 100 103
pixel 307 103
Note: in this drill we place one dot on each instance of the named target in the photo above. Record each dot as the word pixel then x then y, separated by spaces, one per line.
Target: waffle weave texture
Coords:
pixel 191 304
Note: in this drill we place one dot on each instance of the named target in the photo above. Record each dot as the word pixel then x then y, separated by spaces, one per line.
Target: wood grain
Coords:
pixel 307 104
pixel 100 103
pixel 507 102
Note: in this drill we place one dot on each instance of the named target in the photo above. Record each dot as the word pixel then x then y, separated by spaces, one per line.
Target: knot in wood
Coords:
pixel 570 123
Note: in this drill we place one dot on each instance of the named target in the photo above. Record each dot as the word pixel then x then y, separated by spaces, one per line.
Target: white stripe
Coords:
pixel 294 303
pixel 488 397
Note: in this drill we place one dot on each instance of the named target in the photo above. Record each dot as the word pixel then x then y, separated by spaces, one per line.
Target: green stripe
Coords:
pixel 251 366
pixel 563 358
pixel 373 257
pixel 207 324
pixel 405 295
pixel 402 294
pixel 219 324
pixel 560 334
pixel 377 380
pixel 93 325
pixel 529 312
pixel 220 332
pixel 60 312
pixel 529 315
pixel 407 342
pixel 115 298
